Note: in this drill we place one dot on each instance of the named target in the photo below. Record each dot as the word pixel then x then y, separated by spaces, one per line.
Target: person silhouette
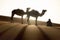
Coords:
pixel 49 23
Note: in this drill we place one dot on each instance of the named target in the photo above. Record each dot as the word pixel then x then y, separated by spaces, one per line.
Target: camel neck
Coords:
pixel 42 14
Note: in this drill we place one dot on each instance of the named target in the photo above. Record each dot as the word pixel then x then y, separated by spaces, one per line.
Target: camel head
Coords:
pixel 28 8
pixel 44 10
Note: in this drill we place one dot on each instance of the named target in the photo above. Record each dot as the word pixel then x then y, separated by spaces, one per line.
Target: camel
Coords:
pixel 35 14
pixel 19 12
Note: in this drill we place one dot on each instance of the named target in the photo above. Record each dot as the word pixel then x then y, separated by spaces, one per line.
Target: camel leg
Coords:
pixel 28 19
pixel 12 17
pixel 36 21
pixel 22 19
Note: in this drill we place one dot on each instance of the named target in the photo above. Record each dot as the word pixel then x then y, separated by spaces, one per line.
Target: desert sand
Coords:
pixel 18 31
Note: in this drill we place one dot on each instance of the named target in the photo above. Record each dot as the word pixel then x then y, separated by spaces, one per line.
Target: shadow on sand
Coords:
pixel 21 34
pixel 46 37
pixel 4 31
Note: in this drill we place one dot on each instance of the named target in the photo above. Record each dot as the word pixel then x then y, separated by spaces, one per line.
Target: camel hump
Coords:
pixel 17 11
pixel 34 12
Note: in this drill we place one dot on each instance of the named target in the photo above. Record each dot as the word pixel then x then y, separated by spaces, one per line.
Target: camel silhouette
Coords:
pixel 19 12
pixel 35 13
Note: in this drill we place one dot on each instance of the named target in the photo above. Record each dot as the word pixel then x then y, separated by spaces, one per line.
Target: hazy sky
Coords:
pixel 52 7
